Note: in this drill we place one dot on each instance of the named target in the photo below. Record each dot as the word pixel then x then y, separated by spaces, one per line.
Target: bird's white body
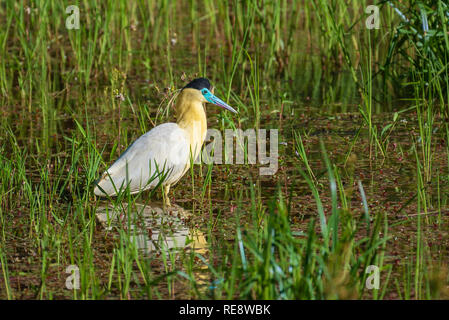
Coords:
pixel 162 151
pixel 164 154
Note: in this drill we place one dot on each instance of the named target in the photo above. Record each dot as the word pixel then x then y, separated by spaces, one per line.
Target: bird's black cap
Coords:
pixel 198 84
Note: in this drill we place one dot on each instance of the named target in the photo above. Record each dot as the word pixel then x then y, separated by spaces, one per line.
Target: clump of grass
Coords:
pixel 421 39
pixel 272 261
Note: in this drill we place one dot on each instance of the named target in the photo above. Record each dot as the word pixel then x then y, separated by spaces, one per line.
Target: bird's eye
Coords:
pixel 204 91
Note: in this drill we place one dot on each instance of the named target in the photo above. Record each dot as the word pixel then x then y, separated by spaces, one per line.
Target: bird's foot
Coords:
pixel 167 203
pixel 165 198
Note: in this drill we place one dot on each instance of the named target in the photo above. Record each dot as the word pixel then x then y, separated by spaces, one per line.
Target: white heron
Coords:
pixel 163 155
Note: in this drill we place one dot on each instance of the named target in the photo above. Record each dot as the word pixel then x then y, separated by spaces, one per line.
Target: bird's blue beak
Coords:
pixel 213 99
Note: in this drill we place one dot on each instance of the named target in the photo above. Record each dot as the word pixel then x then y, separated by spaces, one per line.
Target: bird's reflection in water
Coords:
pixel 158 232
pixel 152 228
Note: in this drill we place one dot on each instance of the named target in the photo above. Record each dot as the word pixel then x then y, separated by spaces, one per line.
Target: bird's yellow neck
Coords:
pixel 192 118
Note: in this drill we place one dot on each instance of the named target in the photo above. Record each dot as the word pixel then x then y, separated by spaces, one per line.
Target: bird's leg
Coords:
pixel 165 198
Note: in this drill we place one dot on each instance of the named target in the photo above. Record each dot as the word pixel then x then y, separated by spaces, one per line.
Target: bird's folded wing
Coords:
pixel 161 153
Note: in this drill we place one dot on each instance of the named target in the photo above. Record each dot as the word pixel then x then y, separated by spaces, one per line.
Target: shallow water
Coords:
pixel 203 219
pixel 51 132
